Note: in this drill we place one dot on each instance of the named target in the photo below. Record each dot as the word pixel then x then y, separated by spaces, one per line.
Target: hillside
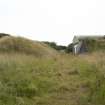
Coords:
pixel 10 44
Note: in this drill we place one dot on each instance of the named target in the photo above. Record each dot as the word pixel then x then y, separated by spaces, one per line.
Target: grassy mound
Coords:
pixel 21 45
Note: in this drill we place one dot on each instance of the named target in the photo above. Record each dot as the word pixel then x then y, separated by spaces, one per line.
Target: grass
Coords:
pixel 64 80
pixel 56 79
pixel 10 44
pixel 24 77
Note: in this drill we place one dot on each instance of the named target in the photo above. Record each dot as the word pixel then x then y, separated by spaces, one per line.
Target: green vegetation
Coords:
pixel 3 35
pixel 94 44
pixel 55 46
pixel 69 48
pixel 66 49
pixel 31 73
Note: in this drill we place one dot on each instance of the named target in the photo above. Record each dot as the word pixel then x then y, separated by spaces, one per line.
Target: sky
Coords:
pixel 52 20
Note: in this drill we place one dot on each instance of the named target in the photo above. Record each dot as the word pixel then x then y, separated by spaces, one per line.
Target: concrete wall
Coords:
pixel 76 48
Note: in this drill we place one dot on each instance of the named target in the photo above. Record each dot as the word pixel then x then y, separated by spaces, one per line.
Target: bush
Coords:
pixel 69 48
pixel 55 46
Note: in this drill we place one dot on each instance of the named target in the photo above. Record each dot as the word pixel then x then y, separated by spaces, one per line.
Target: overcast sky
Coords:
pixel 52 20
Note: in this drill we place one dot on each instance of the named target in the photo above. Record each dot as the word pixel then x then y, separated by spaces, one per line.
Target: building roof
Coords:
pixel 76 39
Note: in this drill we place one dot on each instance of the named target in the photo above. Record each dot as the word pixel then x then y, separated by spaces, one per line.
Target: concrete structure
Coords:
pixel 79 45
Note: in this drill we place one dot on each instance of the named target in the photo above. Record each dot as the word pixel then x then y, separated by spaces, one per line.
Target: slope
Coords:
pixel 10 44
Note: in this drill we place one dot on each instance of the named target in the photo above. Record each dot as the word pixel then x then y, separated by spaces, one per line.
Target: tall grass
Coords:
pixel 67 79
pixel 45 78
pixel 24 77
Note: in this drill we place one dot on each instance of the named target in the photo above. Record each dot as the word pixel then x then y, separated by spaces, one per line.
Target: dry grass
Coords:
pixel 62 80
pixel 11 44
pixel 50 79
